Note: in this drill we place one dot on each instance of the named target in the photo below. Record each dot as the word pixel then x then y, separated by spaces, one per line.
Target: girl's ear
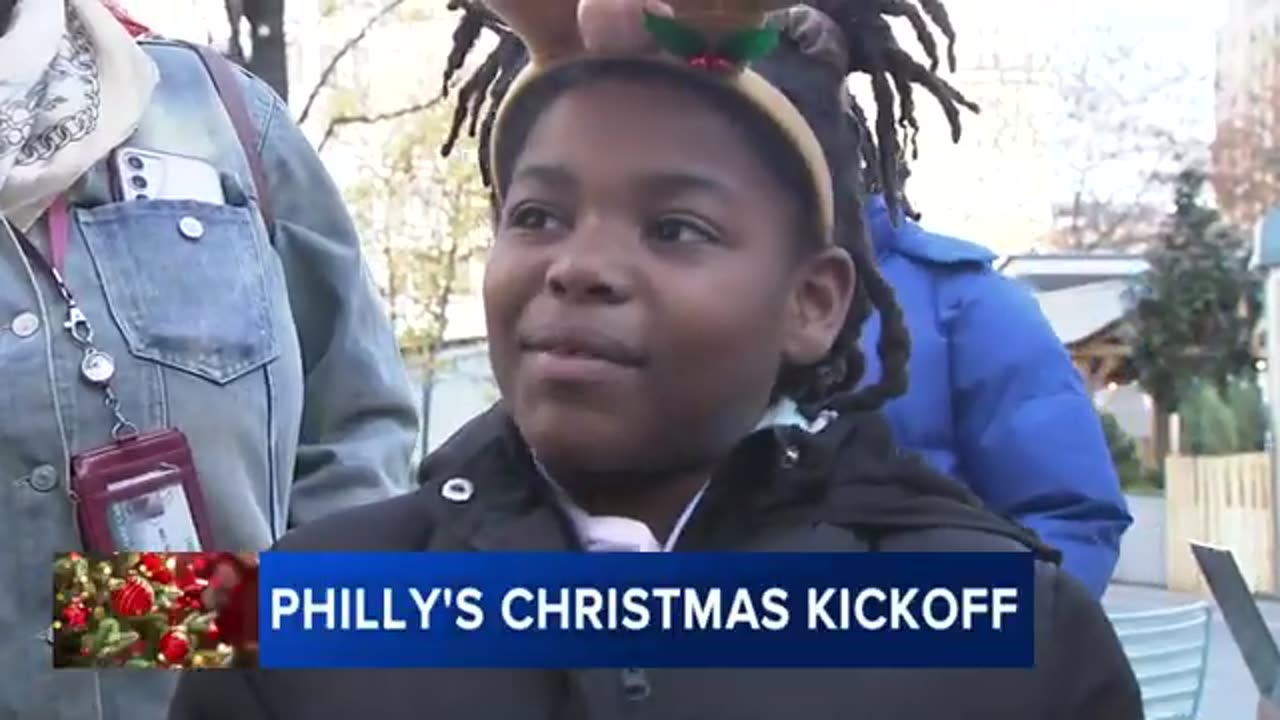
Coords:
pixel 820 303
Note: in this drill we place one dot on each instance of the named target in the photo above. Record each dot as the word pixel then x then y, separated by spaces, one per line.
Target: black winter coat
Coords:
pixel 783 490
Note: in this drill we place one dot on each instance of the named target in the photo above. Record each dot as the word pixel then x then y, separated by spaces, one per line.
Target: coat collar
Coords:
pixel 514 505
pixel 908 238
pixel 848 473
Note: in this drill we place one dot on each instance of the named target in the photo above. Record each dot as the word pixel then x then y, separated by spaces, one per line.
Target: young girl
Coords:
pixel 673 301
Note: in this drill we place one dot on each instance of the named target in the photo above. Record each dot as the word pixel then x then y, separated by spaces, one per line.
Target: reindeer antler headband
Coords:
pixel 716 36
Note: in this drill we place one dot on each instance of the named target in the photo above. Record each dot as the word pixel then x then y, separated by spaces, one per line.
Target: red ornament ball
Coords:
pixel 75 615
pixel 174 647
pixel 201 566
pixel 237 601
pixel 185 576
pixel 135 599
pixel 213 635
pixel 155 566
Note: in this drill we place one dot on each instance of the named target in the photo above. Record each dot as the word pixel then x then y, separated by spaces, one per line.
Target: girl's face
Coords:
pixel 645 288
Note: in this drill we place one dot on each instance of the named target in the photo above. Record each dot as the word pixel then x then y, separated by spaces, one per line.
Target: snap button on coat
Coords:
pixel 458 490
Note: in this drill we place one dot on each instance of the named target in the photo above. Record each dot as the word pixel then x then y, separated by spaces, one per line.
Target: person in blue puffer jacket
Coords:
pixel 994 399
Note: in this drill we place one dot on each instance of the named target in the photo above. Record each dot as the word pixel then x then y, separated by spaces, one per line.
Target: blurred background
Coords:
pixel 1125 164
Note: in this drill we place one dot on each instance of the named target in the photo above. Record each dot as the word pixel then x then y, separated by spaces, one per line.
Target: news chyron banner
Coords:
pixel 579 610
pixel 542 610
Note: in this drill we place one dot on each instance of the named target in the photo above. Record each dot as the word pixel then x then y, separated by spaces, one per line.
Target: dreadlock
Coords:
pixel 862 157
pixel 875 52
pixel 488 83
pixel 6 12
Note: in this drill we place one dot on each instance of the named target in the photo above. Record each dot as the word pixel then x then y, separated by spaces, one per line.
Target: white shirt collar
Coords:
pixel 607 533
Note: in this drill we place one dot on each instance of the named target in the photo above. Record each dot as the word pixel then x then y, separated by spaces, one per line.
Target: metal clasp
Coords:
pixel 78 325
pixel 123 429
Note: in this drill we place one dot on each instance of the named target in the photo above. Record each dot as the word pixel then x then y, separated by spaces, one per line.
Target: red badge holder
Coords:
pixel 140 493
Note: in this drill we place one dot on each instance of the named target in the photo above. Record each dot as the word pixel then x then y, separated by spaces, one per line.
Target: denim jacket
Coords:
pixel 269 350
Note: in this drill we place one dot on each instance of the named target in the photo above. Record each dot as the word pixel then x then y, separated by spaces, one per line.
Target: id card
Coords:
pixel 160 518
pixel 140 494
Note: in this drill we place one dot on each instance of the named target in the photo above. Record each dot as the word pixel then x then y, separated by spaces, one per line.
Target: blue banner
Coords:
pixel 580 610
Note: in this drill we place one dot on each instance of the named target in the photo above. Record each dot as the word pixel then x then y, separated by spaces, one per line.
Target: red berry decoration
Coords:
pixel 174 647
pixel 156 567
pixel 725 55
pixel 135 599
pixel 75 615
pixel 711 63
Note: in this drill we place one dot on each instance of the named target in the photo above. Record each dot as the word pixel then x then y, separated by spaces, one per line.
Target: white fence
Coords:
pixel 1225 500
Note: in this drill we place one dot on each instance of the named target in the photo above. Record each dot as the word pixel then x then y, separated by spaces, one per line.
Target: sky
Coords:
pixel 1022 155
pixel 1014 181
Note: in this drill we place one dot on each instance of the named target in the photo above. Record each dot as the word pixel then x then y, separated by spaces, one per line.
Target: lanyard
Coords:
pixel 59 231
pixel 96 366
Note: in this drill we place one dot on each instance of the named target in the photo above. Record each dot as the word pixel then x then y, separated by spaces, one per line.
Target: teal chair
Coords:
pixel 1169 650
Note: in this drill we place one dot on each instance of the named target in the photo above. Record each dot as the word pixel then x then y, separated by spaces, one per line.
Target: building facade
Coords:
pixel 1246 152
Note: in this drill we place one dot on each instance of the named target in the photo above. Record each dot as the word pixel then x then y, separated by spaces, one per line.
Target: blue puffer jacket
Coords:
pixel 994 399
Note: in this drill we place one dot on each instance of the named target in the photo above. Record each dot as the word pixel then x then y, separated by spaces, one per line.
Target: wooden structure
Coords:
pixel 1086 299
pixel 1222 500
pixel 1093 322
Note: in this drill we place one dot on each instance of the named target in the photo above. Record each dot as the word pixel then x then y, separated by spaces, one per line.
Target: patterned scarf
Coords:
pixel 73 86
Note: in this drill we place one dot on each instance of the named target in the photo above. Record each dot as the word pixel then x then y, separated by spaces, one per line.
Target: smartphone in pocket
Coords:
pixel 148 175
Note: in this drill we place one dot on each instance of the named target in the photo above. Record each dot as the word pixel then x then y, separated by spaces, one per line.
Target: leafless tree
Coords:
pixel 1122 141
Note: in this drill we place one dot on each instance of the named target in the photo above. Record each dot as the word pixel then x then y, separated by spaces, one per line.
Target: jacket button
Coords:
pixel 191 228
pixel 458 490
pixel 790 456
pixel 43 479
pixel 24 325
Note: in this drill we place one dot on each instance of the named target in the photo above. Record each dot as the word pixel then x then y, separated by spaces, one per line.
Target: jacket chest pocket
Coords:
pixel 186 283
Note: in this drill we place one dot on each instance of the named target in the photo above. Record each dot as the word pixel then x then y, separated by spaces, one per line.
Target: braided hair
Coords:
pixel 6 13
pixel 861 156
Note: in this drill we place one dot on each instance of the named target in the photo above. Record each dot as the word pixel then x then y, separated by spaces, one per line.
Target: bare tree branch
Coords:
pixel 1121 144
pixel 327 74
pixel 370 119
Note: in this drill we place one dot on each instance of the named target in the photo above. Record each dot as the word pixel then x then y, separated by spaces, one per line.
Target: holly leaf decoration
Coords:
pixel 746 46
pixel 675 37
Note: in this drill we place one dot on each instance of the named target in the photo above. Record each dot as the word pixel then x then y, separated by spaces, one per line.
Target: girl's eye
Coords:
pixel 681 231
pixel 532 217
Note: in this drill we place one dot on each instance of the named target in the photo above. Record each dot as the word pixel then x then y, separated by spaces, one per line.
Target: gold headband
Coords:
pixel 551 32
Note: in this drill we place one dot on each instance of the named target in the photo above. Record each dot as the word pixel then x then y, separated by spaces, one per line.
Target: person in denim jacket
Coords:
pixel 264 345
